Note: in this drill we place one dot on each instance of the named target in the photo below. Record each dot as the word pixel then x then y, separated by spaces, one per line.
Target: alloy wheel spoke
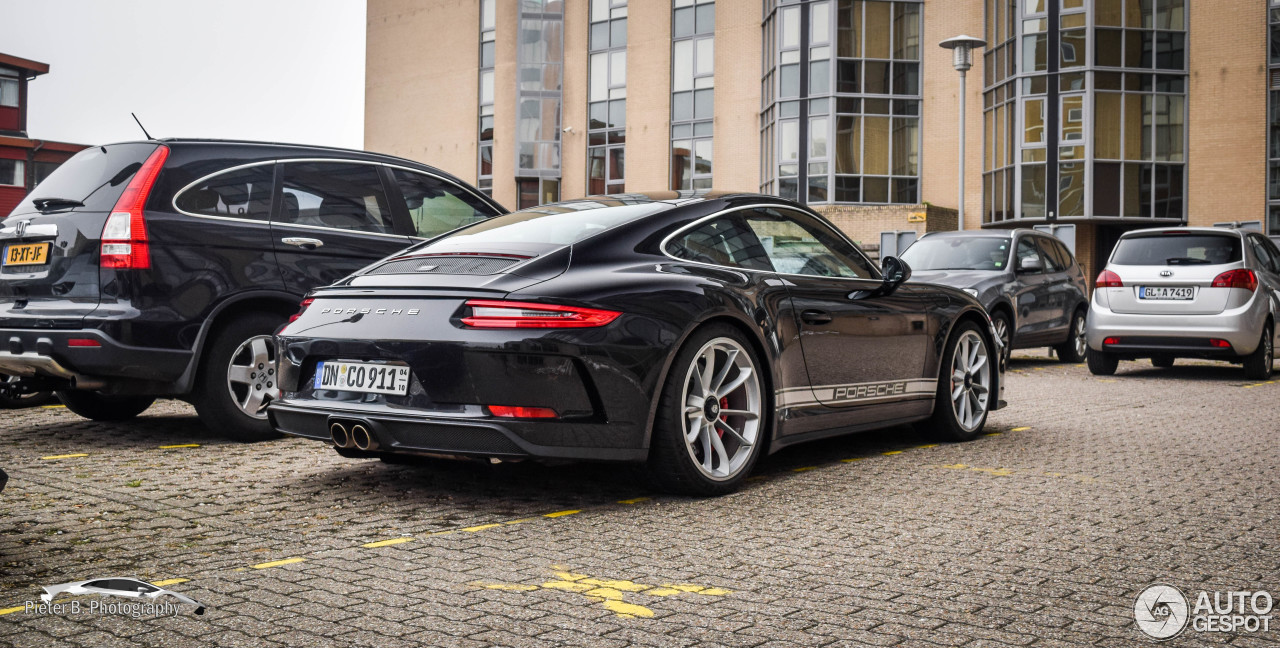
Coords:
pixel 252 401
pixel 707 435
pixel 261 355
pixel 708 370
pixel 718 381
pixel 977 364
pixel 240 374
pixel 747 414
pixel 744 374
pixel 733 433
pixel 719 449
pixel 979 388
pixel 694 430
pixel 956 392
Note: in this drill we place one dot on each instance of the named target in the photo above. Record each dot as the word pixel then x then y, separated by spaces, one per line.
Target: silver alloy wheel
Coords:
pixel 1078 337
pixel 1002 330
pixel 251 376
pixel 722 408
pixel 1271 357
pixel 970 380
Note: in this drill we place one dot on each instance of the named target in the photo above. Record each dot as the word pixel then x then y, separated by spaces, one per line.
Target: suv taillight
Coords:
pixel 124 236
pixel 302 308
pixel 1108 279
pixel 1239 278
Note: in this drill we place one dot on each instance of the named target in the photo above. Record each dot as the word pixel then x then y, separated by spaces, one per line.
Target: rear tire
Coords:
pixel 1076 346
pixel 100 407
pixel 694 449
pixel 1257 365
pixel 1162 362
pixel 964 386
pixel 238 377
pixel 1102 363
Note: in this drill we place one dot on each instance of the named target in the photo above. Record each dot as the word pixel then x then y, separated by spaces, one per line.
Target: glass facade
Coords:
pixel 607 98
pixel 693 67
pixel 1273 117
pixel 539 74
pixel 1084 109
pixel 488 20
pixel 841 94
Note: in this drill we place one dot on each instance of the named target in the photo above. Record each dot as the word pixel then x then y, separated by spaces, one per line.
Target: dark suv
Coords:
pixel 1029 282
pixel 162 268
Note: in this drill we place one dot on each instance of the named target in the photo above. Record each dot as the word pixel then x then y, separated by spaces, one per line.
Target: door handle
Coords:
pixel 304 243
pixel 815 317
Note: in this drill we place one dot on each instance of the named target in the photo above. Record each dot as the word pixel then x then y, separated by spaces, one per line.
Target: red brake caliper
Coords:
pixel 724 404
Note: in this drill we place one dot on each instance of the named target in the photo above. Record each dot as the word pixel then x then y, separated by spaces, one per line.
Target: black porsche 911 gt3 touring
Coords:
pixel 692 332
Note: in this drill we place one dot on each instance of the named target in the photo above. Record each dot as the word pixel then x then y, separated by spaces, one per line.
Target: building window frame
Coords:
pixel 692 94
pixel 607 97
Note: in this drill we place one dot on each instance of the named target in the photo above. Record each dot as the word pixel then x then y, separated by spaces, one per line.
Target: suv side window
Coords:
pixel 244 193
pixel 341 195
pixel 436 206
pixel 1026 250
pixel 799 244
pixel 723 241
pixel 1265 258
pixel 1052 260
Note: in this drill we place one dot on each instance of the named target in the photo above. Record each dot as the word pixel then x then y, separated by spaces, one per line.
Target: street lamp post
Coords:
pixel 962 58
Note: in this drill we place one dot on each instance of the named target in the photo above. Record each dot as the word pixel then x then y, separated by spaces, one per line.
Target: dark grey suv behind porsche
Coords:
pixel 1029 282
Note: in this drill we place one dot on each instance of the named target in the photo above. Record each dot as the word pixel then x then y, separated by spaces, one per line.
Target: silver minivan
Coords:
pixel 1187 292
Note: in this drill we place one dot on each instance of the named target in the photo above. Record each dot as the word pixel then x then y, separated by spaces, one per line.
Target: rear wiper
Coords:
pixel 49 204
pixel 1185 261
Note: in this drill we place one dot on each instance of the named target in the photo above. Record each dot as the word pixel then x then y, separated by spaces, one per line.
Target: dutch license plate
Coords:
pixel 363 377
pixel 26 254
pixel 1166 292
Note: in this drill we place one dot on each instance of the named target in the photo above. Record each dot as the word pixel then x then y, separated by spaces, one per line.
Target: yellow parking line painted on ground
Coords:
pixel 386 543
pixel 1269 382
pixel 180 445
pixel 1106 380
pixel 804 469
pixel 561 514
pixel 171 581
pixel 992 434
pixel 66 456
pixel 520 521
pixel 481 527
pixel 927 445
pixel 1021 429
pixel 892 452
pixel 852 459
pixel 634 500
pixel 53 407
pixel 11 610
pixel 278 563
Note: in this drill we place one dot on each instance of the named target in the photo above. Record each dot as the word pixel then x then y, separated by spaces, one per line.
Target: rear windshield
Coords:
pixel 557 225
pixel 95 176
pixel 958 253
pixel 1178 249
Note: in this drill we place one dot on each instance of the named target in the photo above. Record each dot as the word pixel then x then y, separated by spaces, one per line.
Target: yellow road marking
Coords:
pixel 510 587
pixel 852 459
pixel 481 527
pixel 386 543
pixel 171 581
pixel 277 563
pixel 928 445
pixel 1106 380
pixel 520 521
pixel 634 500
pixel 53 407
pixel 1269 382
pixel 804 469
pixel 892 452
pixel 609 593
pixel 1021 429
pixel 992 434
pixel 628 610
pixel 180 445
pixel 66 456
pixel 12 610
pixel 561 514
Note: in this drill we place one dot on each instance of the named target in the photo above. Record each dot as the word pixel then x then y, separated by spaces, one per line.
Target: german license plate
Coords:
pixel 26 254
pixel 1166 292
pixel 363 377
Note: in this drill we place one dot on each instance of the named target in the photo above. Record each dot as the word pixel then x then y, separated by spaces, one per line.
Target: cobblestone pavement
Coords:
pixel 1039 534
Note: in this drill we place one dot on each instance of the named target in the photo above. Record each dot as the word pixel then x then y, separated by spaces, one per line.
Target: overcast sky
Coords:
pixel 279 70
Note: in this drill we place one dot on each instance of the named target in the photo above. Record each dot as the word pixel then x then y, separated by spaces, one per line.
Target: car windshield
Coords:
pixel 563 224
pixel 958 253
pixel 1176 248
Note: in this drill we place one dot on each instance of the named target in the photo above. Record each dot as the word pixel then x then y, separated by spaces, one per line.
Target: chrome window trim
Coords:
pixel 177 194
pixel 704 219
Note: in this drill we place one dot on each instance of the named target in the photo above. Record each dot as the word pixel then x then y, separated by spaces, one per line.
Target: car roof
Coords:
pixel 282 148
pixel 978 233
pixel 1188 230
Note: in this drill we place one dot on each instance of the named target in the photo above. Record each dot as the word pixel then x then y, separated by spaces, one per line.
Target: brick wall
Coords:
pixel 864 223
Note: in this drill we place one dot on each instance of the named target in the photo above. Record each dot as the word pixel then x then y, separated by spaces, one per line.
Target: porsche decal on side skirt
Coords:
pixel 860 393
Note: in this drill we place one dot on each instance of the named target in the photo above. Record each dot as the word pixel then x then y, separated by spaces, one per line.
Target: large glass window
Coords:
pixel 340 195
pixel 848 130
pixel 1097 132
pixel 8 88
pixel 488 24
pixel 539 71
pixel 1273 118
pixel 607 98
pixel 693 68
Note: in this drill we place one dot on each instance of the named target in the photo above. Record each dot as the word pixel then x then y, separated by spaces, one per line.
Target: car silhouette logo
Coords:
pixel 122 587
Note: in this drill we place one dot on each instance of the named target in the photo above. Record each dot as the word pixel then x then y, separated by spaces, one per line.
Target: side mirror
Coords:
pixel 895 272
pixel 1029 264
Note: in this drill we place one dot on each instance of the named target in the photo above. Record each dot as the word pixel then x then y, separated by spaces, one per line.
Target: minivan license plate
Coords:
pixel 363 377
pixel 1166 292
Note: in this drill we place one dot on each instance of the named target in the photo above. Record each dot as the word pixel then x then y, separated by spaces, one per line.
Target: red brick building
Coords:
pixel 24 162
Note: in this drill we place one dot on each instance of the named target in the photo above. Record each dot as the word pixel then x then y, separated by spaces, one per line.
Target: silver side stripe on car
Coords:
pixel 859 393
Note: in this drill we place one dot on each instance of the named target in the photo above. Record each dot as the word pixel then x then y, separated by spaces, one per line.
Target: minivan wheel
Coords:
pixel 100 407
pixel 1257 365
pixel 711 427
pixel 238 378
pixel 1077 344
pixel 1101 363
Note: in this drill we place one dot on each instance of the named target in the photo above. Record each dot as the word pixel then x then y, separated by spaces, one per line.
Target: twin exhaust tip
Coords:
pixel 357 436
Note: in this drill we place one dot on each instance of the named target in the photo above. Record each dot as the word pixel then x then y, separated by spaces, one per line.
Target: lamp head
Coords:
pixel 962 50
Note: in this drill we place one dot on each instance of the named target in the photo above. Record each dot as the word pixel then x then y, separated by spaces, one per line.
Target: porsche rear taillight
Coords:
pixel 496 314
pixel 1238 278
pixel 124 236
pixel 508 411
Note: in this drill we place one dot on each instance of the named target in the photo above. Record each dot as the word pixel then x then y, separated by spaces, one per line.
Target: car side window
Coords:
pixel 1025 250
pixel 436 206
pixel 799 244
pixel 341 195
pixel 243 193
pixel 723 241
pixel 1275 252
pixel 1052 262
pixel 1265 258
